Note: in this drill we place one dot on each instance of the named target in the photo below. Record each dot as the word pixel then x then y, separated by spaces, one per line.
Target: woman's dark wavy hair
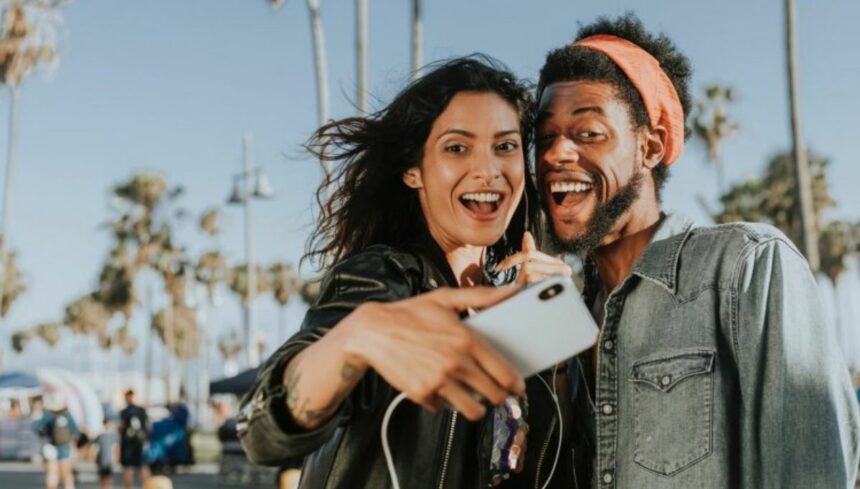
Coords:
pixel 367 201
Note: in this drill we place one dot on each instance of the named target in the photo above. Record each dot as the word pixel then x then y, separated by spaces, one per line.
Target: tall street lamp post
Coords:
pixel 248 185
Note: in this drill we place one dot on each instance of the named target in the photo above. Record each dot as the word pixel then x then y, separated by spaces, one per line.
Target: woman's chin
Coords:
pixel 484 239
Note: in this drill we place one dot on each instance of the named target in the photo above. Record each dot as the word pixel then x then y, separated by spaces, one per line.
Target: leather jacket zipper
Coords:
pixel 448 445
pixel 543 452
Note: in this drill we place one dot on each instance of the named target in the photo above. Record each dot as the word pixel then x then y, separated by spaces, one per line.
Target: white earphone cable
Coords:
pixel 386 449
pixel 554 394
pixel 389 461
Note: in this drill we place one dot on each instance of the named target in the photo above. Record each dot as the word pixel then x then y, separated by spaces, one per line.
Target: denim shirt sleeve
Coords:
pixel 799 412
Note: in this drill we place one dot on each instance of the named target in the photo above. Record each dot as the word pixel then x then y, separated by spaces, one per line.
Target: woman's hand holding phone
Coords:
pixel 422 348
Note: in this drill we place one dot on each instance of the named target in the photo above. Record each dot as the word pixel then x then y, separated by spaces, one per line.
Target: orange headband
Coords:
pixel 657 91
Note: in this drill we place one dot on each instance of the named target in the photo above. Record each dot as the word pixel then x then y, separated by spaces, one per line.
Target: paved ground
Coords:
pixel 28 476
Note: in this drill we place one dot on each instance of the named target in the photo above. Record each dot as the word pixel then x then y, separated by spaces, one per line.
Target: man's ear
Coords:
pixel 654 146
pixel 412 178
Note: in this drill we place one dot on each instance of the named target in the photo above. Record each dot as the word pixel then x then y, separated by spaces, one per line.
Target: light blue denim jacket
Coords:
pixel 715 368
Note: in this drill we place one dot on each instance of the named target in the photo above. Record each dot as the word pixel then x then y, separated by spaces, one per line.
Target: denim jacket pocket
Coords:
pixel 673 404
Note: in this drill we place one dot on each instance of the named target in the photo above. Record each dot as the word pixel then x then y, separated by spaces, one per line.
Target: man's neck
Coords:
pixel 615 260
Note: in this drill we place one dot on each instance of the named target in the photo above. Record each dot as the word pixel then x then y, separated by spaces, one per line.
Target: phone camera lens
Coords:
pixel 550 292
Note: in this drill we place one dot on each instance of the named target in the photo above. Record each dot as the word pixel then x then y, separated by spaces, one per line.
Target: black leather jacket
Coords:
pixel 441 450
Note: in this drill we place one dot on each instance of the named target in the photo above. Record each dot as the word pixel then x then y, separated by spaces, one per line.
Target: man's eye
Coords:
pixel 545 138
pixel 589 134
pixel 455 148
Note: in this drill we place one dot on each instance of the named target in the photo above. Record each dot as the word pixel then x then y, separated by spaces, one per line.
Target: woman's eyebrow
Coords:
pixel 472 135
pixel 461 132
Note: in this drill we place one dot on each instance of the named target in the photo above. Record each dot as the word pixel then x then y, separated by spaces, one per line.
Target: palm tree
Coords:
pixel 417 39
pixel 27 41
pixel 237 281
pixel 772 198
pixel 209 222
pixel 211 270
pixel 142 238
pixel 285 283
pixel 712 125
pixel 11 282
pixel 808 241
pixel 320 67
pixel 230 347
pixel 837 241
pixel 361 54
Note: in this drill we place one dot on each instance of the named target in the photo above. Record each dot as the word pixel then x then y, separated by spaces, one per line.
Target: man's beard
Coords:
pixel 606 215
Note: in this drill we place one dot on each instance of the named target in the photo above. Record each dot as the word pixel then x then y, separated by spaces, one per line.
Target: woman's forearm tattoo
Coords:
pixel 298 404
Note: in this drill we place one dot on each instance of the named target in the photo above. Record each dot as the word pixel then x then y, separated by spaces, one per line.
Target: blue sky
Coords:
pixel 170 86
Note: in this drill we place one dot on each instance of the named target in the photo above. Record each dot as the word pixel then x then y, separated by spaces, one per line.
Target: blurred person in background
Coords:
pixel 107 446
pixel 60 432
pixel 14 409
pixel 133 432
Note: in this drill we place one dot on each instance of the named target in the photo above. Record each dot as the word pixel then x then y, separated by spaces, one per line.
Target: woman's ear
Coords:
pixel 654 146
pixel 412 178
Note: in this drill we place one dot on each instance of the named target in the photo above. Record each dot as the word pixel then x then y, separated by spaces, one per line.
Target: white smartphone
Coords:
pixel 542 325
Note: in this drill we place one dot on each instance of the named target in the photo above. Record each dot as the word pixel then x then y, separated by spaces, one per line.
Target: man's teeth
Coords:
pixel 482 197
pixel 569 187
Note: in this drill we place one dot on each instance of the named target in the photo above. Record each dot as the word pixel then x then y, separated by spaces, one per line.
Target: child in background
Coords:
pixel 108 452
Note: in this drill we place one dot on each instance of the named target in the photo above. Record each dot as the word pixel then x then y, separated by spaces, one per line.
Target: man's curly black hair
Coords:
pixel 579 63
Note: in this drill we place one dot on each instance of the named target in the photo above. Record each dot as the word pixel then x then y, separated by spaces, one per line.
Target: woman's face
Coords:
pixel 472 176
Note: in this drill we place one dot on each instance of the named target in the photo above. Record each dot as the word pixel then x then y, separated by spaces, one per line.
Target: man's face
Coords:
pixel 589 163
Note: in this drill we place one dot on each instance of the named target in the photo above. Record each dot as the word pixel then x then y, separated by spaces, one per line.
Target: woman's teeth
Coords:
pixel 481 202
pixel 482 197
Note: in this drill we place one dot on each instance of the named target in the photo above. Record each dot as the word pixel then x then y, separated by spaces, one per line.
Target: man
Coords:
pixel 714 366
pixel 133 430
pixel 60 431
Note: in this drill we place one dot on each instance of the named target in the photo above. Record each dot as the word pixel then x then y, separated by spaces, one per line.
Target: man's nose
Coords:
pixel 562 150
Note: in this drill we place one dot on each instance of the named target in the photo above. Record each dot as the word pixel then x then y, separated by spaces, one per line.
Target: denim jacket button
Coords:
pixel 666 380
pixel 607 409
pixel 607 477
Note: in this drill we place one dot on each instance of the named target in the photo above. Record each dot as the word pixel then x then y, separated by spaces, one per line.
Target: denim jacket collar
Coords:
pixel 659 261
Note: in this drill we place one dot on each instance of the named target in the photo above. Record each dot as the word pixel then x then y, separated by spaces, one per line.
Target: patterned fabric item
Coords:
pixel 509 439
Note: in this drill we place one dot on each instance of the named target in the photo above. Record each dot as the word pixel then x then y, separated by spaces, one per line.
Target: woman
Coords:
pixel 432 193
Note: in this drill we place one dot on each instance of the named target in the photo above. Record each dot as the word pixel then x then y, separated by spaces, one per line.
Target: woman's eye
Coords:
pixel 455 148
pixel 507 146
